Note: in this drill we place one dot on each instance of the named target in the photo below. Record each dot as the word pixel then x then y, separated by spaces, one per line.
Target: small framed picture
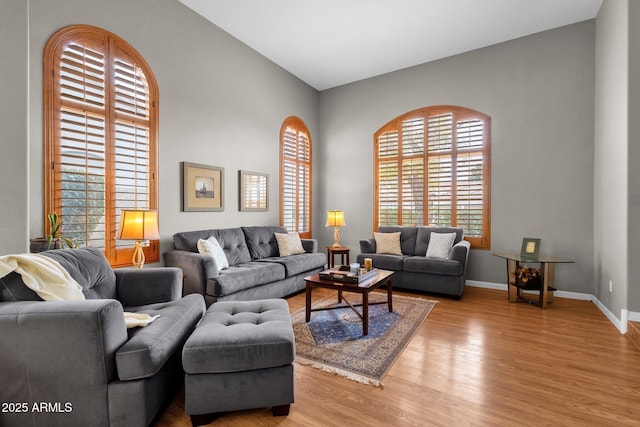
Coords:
pixel 530 248
pixel 202 187
pixel 254 191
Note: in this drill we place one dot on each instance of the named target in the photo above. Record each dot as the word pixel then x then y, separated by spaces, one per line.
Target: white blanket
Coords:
pixel 47 278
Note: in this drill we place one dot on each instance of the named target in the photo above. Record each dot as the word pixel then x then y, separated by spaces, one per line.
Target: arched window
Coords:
pixel 295 176
pixel 433 167
pixel 100 137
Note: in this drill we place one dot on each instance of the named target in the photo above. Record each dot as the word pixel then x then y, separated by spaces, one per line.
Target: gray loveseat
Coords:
pixel 74 363
pixel 256 269
pixel 413 270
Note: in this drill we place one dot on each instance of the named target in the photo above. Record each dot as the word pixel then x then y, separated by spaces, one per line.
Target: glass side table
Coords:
pixel 545 284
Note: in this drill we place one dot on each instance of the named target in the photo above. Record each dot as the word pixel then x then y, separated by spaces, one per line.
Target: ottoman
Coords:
pixel 240 356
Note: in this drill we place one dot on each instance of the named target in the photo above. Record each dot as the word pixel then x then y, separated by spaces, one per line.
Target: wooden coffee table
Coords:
pixel 383 278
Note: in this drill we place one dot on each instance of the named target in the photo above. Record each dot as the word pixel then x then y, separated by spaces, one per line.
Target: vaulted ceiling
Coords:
pixel 328 43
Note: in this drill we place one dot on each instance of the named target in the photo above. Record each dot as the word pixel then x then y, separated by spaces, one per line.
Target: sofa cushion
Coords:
pixel 261 241
pixel 236 336
pixel 244 276
pixel 424 234
pixel 388 243
pixel 231 240
pixel 443 267
pixel 89 268
pixel 407 237
pixel 440 245
pixel 289 244
pixel 384 261
pixel 148 348
pixel 299 263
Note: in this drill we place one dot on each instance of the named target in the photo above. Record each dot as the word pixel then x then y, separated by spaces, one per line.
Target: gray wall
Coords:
pixel 634 154
pixel 538 91
pixel 221 104
pixel 611 154
pixel 14 127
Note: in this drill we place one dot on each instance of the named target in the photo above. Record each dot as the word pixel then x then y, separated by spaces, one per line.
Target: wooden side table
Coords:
pixel 343 251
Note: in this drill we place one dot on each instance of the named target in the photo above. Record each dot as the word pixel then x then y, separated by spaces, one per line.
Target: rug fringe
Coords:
pixel 340 372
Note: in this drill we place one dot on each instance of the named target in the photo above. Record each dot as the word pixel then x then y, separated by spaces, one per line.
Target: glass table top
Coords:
pixel 539 258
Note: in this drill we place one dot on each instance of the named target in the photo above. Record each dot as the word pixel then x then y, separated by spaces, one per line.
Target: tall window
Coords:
pixel 100 137
pixel 432 167
pixel 295 176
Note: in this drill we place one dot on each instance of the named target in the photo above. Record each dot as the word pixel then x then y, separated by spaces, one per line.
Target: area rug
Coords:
pixel 333 341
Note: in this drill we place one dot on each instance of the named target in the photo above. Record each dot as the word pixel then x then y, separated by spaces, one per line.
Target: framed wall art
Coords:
pixel 530 248
pixel 253 191
pixel 202 187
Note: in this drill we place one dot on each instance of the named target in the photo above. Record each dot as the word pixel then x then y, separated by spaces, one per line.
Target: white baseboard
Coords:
pixel 620 324
pixel 634 316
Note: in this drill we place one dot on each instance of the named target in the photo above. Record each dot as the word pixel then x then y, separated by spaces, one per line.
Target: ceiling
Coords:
pixel 328 43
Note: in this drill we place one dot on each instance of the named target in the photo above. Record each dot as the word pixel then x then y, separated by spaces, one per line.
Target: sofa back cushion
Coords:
pixel 231 240
pixel 261 241
pixel 407 237
pixel 87 266
pixel 424 235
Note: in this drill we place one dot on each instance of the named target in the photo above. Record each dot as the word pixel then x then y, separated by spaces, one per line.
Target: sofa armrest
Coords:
pixel 368 246
pixel 197 268
pixel 460 252
pixel 60 351
pixel 310 245
pixel 148 286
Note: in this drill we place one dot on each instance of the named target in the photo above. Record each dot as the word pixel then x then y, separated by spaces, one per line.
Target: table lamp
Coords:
pixel 335 219
pixel 138 225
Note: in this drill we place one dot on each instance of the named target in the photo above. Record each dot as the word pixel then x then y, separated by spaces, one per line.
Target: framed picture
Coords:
pixel 202 187
pixel 530 248
pixel 254 191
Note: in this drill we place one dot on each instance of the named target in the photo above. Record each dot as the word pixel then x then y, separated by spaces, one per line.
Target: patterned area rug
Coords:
pixel 333 342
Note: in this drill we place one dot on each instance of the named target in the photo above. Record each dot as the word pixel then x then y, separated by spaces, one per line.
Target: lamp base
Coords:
pixel 138 255
pixel 336 237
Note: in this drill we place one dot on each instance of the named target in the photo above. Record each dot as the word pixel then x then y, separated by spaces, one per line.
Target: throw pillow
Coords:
pixel 388 243
pixel 289 243
pixel 440 245
pixel 212 248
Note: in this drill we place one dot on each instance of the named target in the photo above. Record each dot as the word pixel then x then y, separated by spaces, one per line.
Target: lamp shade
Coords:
pixel 138 225
pixel 335 219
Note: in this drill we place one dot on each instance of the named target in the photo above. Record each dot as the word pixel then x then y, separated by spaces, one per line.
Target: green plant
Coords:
pixel 55 231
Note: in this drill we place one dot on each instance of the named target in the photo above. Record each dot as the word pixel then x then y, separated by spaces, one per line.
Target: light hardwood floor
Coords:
pixel 479 361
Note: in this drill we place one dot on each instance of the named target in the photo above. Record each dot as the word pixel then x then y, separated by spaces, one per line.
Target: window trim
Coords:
pixel 482 242
pixel 117 256
pixel 299 125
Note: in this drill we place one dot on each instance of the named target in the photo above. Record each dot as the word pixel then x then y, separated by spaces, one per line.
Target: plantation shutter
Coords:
pixel 100 137
pixel 295 177
pixel 432 168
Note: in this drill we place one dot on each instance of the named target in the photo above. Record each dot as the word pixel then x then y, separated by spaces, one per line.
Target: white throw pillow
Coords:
pixel 388 243
pixel 212 248
pixel 289 243
pixel 440 245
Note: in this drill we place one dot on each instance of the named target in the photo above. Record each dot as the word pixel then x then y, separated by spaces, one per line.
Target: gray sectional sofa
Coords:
pixel 413 270
pixel 256 269
pixel 78 359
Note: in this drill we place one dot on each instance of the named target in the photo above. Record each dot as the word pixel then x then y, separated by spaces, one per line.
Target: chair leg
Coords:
pixel 281 410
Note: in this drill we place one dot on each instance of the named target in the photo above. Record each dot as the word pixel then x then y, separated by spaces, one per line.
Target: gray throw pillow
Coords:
pixel 440 245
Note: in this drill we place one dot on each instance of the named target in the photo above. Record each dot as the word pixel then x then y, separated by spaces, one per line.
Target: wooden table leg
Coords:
pixel 365 313
pixel 389 296
pixel 513 291
pixel 544 288
pixel 307 307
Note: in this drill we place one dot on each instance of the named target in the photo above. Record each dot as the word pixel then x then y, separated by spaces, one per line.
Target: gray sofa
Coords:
pixel 256 270
pixel 74 363
pixel 413 270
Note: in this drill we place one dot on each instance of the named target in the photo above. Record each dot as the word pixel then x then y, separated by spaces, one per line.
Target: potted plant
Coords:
pixel 53 240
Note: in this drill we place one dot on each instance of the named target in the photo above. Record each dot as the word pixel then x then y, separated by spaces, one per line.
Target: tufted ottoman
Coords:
pixel 240 356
